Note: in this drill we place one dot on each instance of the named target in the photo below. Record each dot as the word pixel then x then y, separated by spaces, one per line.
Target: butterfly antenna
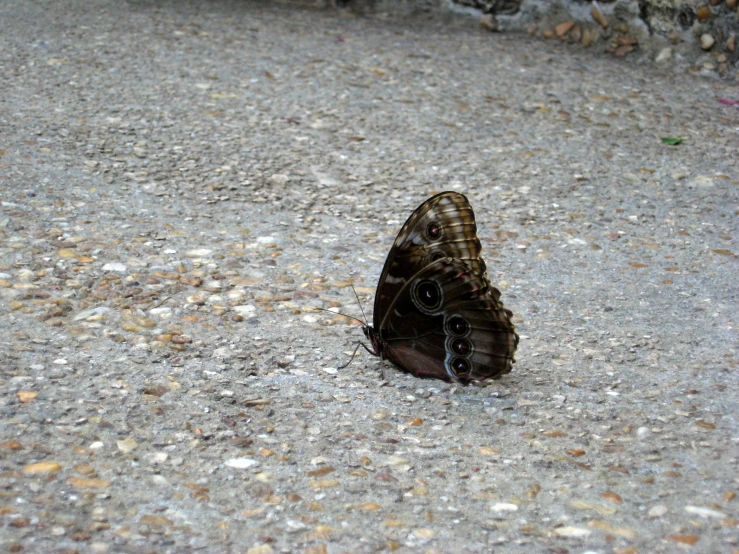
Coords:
pixel 360 305
pixel 339 313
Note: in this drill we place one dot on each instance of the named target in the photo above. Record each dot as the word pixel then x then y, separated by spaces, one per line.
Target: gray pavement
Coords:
pixel 183 183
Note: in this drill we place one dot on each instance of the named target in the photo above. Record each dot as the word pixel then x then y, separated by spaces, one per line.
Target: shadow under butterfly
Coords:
pixel 436 314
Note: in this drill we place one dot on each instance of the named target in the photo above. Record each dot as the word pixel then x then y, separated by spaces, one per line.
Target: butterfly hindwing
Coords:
pixel 447 323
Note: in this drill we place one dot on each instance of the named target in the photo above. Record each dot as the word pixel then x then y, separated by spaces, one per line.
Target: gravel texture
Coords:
pixel 183 183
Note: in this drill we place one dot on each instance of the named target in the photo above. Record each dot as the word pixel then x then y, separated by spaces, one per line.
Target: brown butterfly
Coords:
pixel 436 314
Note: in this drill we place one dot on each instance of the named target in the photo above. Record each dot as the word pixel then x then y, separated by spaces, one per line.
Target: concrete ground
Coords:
pixel 183 183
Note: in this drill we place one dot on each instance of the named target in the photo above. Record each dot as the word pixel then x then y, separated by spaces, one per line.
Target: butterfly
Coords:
pixel 436 314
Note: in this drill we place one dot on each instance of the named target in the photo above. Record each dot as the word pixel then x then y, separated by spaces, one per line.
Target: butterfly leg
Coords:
pixel 383 372
pixel 351 359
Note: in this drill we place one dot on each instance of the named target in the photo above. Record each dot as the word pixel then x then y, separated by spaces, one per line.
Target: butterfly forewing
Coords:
pixel 443 226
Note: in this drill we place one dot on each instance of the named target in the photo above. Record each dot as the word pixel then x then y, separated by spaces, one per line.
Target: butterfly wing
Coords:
pixel 443 226
pixel 447 322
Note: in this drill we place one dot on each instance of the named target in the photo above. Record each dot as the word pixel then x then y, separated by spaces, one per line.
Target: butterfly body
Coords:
pixel 436 314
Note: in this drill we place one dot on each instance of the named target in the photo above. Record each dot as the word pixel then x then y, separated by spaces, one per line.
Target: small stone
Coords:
pixel 250 402
pixel 92 314
pixel 731 42
pixel 683 539
pixel 26 396
pixel 588 36
pixel 236 295
pixel 612 497
pixel 572 532
pixel 504 507
pixel 379 415
pixel 127 445
pixel 83 483
pixel 320 484
pixel 625 532
pixel 198 253
pixel 562 29
pixel 705 512
pixel 267 239
pixel 115 266
pixel 261 549
pixel 213 286
pixel 583 505
pixel 241 463
pixel 598 16
pixel 731 4
pixel 155 521
pixel 424 534
pixel 41 467
pixel 657 511
pixel 664 55
pixel 703 13
pixel 141 321
pixel 707 41
pixel 198 298
pixel 321 471
pixel 159 457
pixel 369 507
pixel 643 433
pixel 395 461
pixel 26 275
pixel 489 22
pixel 19 522
pixel 547 33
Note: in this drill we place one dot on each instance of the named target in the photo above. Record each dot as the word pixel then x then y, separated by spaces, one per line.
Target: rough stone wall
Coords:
pixel 698 32
pixel 701 35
